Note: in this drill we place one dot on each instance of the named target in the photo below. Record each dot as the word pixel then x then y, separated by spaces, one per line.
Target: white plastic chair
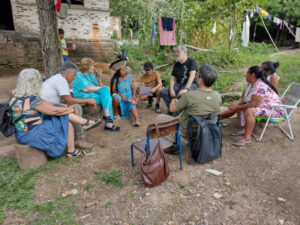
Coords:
pixel 290 99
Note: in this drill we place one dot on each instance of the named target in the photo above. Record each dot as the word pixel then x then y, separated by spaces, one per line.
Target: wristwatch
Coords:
pixel 187 88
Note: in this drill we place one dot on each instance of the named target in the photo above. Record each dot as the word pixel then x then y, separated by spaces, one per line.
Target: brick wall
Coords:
pixel 20 49
pixel 91 21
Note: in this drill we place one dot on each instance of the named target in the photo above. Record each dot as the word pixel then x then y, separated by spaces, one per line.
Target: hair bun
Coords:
pixel 276 65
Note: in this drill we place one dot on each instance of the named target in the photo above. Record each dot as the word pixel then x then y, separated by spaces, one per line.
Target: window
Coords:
pixel 6 17
pixel 74 2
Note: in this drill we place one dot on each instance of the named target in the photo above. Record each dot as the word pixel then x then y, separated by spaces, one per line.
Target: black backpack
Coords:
pixel 207 145
pixel 7 125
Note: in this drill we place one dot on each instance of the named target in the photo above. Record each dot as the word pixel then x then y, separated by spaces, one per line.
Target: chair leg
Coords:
pixel 132 157
pixel 180 151
pixel 291 135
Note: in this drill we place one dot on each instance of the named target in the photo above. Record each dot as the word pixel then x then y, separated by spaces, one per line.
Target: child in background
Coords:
pixel 64 48
pixel 123 93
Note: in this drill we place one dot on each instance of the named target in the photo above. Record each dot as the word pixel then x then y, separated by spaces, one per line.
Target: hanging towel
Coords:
pixel 281 24
pixel 246 32
pixel 269 17
pixel 167 23
pixel 231 34
pixel 214 30
pixel 251 14
pixel 58 5
pixel 297 34
pixel 69 3
pixel 264 13
pixel 63 14
pixel 153 34
pixel 166 37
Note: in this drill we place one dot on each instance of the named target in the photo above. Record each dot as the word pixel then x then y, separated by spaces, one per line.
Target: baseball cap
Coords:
pixel 148 66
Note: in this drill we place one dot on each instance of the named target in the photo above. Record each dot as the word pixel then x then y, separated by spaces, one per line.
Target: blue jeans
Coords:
pixel 65 58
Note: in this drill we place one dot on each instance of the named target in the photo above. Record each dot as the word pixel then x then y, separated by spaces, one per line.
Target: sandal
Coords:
pixel 136 124
pixel 241 143
pixel 108 119
pixel 237 134
pixel 113 128
pixel 84 144
pixel 117 117
pixel 76 153
pixel 87 126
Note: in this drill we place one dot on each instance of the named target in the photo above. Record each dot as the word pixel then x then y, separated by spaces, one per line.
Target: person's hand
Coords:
pixel 233 105
pixel 182 91
pixel 92 103
pixel 123 98
pixel 133 100
pixel 172 93
pixel 153 90
pixel 75 109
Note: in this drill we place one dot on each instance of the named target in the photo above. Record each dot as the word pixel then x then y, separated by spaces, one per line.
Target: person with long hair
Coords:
pixel 256 102
pixel 270 68
pixel 124 96
pixel 85 85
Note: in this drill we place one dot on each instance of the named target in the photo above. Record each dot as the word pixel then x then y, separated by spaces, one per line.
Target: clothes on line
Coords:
pixel 58 5
pixel 153 34
pixel 298 34
pixel 269 17
pixel 167 23
pixel 246 32
pixel 214 30
pixel 166 37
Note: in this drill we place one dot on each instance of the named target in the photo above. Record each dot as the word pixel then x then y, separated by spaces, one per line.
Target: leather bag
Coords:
pixel 155 169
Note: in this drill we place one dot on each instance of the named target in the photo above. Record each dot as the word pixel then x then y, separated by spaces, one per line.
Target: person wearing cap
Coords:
pixel 151 79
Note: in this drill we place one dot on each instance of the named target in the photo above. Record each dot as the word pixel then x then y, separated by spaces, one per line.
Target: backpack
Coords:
pixel 208 143
pixel 7 125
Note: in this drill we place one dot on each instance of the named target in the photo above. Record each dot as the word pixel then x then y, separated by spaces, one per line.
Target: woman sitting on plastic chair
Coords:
pixel 256 103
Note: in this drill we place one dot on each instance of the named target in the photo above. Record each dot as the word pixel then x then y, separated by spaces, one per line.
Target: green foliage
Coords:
pixel 114 178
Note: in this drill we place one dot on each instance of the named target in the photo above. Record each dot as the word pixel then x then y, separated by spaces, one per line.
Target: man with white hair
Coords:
pixel 183 77
pixel 56 90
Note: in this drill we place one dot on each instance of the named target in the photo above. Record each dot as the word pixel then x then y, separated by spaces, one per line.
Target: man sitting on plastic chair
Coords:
pixel 201 102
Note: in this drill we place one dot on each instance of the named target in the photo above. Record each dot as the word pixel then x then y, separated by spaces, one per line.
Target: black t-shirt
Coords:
pixel 182 71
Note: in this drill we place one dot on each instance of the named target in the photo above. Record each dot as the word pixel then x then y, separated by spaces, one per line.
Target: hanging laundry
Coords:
pixel 276 20
pixel 58 5
pixel 269 17
pixel 246 32
pixel 167 23
pixel 63 14
pixel 166 37
pixel 69 3
pixel 281 24
pixel 214 30
pixel 231 34
pixel 264 13
pixel 251 14
pixel 153 34
pixel 297 34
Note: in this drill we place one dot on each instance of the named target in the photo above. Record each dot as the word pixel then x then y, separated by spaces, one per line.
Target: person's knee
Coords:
pixel 116 100
pixel 249 112
pixel 158 91
pixel 78 108
pixel 143 97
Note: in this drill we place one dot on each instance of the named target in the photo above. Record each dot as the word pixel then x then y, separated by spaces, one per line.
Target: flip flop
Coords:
pixel 241 143
pixel 237 134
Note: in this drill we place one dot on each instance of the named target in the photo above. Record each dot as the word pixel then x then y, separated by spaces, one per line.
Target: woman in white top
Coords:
pixel 270 68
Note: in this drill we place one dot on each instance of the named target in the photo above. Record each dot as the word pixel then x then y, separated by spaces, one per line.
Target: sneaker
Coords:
pixel 150 101
pixel 157 108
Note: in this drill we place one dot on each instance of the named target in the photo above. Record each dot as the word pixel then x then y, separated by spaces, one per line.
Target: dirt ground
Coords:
pixel 252 181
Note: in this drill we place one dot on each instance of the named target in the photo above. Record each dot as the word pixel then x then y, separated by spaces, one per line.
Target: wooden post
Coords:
pixel 268 32
pixel 51 47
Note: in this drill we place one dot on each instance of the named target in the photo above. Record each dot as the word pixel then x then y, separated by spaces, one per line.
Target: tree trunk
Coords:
pixel 50 42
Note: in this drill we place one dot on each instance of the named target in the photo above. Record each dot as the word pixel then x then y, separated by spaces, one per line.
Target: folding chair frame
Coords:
pixel 147 145
pixel 289 133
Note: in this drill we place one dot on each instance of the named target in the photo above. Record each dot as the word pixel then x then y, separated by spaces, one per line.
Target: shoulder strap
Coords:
pixel 213 116
pixel 199 119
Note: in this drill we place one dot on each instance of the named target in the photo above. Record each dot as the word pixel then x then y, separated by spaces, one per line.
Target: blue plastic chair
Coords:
pixel 165 129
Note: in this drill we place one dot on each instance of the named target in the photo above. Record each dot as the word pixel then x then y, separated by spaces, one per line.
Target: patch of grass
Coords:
pixel 17 185
pixel 102 146
pixel 87 187
pixel 132 194
pixel 230 190
pixel 245 196
pixel 107 205
pixel 114 178
pixel 181 186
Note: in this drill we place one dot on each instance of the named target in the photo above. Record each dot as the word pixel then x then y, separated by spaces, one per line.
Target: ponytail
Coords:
pixel 115 77
pixel 270 66
pixel 261 74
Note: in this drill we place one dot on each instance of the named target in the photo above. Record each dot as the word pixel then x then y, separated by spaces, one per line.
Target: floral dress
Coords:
pixel 268 97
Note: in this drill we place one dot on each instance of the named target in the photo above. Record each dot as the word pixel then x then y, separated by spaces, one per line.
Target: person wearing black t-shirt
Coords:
pixel 183 77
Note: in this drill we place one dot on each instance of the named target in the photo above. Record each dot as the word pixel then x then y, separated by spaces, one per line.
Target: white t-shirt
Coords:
pixel 54 87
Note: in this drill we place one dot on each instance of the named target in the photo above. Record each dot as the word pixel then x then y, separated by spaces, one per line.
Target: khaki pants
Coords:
pixel 78 130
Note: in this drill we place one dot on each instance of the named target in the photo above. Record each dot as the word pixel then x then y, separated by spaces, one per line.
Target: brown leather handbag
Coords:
pixel 155 169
